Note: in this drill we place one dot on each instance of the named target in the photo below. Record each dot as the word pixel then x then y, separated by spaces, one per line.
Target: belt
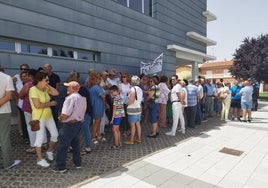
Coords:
pixel 72 121
pixel 174 101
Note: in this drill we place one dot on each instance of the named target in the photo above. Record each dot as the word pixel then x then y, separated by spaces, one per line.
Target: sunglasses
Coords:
pixel 123 76
pixel 23 69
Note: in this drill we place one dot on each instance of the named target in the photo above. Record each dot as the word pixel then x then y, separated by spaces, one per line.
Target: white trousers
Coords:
pixel 177 115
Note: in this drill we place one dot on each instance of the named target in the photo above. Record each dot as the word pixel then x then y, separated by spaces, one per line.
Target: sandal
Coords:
pixel 30 150
pixel 95 141
pixel 85 151
pixel 114 147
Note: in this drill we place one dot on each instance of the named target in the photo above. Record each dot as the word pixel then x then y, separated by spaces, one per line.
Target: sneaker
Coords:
pixel 56 169
pixel 183 131
pixel 50 155
pixel 78 167
pixel 43 163
pixel 15 163
pixel 170 134
pixel 205 120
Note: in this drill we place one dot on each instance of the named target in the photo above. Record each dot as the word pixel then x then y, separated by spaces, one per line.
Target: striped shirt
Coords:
pixel 118 102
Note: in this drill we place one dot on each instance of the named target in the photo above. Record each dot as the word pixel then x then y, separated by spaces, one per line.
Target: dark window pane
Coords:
pixel 62 53
pixel 6 45
pixel 135 5
pixel 148 7
pixel 28 48
pixel 122 2
pixel 86 56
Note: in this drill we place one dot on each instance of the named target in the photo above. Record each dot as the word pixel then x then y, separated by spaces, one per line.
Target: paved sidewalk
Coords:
pixel 197 162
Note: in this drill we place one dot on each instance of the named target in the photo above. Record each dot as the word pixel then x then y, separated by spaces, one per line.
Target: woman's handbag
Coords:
pixel 35 125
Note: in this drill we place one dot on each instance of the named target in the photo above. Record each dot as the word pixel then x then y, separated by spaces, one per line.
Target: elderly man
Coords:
pixel 72 116
pixel 54 81
pixel 6 89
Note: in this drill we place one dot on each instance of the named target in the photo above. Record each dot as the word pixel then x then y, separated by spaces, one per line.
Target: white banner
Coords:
pixel 152 67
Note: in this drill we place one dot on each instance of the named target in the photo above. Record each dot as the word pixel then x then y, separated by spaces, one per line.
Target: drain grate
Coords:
pixel 231 151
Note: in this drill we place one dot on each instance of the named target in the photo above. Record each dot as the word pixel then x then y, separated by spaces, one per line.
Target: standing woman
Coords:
pixel 134 110
pixel 26 107
pixel 97 99
pixel 163 98
pixel 124 89
pixel 40 102
pixel 153 109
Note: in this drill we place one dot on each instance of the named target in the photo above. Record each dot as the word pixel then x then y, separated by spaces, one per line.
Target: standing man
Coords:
pixel 54 81
pixel 211 91
pixel 72 116
pixel 6 90
pixel 192 97
pixel 236 100
pixel 177 102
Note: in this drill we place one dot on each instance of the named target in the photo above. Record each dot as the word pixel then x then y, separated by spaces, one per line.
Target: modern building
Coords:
pixel 102 34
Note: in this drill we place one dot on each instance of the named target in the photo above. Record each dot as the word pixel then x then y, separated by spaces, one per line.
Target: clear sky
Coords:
pixel 236 20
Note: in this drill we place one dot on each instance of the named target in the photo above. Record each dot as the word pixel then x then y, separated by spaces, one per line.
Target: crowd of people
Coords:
pixel 111 98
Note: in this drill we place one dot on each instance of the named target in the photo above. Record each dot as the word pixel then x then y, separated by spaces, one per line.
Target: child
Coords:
pixel 118 113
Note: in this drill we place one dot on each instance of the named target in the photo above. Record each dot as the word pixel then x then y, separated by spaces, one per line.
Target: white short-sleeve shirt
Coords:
pixel 6 84
pixel 176 89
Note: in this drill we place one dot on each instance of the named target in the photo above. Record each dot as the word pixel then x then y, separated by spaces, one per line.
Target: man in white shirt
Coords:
pixel 177 103
pixel 6 90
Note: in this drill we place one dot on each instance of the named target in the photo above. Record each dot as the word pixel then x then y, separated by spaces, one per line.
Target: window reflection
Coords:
pixel 34 49
pixel 135 5
pixel 7 45
pixel 148 7
pixel 63 53
pixel 143 6
pixel 86 56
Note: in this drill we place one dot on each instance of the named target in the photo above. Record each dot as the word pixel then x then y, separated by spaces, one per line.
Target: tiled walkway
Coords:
pixel 190 160
pixel 198 163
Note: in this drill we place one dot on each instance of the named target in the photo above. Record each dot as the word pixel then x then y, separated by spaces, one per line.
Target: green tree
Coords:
pixel 251 59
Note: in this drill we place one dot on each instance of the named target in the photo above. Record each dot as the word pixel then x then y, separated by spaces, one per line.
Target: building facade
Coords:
pixel 217 70
pixel 102 34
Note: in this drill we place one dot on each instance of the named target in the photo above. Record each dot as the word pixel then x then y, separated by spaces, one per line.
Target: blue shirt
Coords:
pixel 210 89
pixel 246 94
pixel 235 92
pixel 192 93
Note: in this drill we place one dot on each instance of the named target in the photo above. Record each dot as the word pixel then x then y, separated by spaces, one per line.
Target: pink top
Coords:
pixel 26 106
pixel 164 91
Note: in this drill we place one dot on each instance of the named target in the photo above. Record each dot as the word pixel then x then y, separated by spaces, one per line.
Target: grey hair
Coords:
pixel 135 80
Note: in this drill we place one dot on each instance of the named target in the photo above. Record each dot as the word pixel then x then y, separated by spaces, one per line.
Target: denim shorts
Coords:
pixel 246 105
pixel 134 118
pixel 117 121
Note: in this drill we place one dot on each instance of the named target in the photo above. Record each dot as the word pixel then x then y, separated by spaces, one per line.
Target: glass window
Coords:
pixel 7 45
pixel 135 5
pixel 63 53
pixel 148 7
pixel 34 49
pixel 122 2
pixel 86 56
